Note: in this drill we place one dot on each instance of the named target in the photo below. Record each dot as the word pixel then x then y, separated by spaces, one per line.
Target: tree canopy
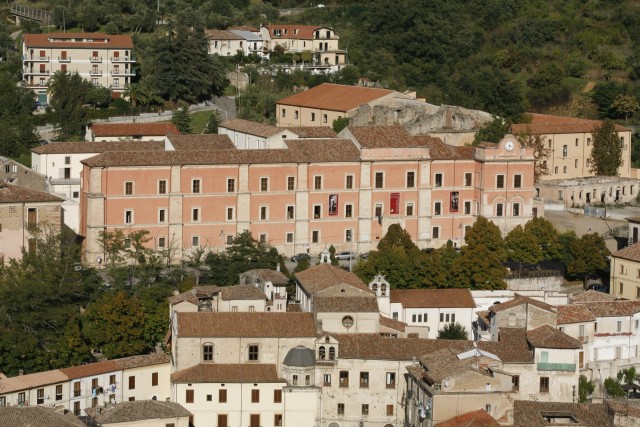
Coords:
pixel 606 153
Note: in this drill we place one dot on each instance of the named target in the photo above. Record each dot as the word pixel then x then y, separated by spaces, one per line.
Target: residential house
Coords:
pixel 246 134
pixel 569 141
pixel 226 43
pixel 15 173
pixel 238 298
pixel 22 209
pixel 39 416
pixel 351 188
pixel 273 283
pixel 140 413
pixel 521 312
pixel 104 60
pixel 624 272
pixel 155 131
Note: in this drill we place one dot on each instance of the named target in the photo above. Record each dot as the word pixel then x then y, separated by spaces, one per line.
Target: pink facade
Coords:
pixel 337 191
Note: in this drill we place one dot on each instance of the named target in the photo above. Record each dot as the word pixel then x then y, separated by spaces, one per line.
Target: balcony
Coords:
pixel 28 72
pixel 35 58
pixel 96 59
pixel 95 72
pixel 65 181
pixel 33 84
pixel 565 367
pixel 115 72
pixel 65 59
pixel 122 59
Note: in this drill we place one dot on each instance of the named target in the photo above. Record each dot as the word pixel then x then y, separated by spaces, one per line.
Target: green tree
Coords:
pixel 332 256
pixel 340 123
pixel 17 130
pixel 625 105
pixel 182 120
pixel 114 326
pixel 492 131
pixel 398 237
pixel 541 152
pixel 453 331
pixel 585 388
pixel 98 96
pixel 589 255
pixel 613 388
pixel 113 246
pixel 71 349
pixel 628 375
pixel 302 265
pixel 606 153
pixel 486 233
pixel 523 247
pixel 479 268
pixel 546 235
pixel 213 123
pixel 67 93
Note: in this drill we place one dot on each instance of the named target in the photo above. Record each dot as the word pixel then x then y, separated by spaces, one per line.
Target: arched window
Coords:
pixel 322 353
pixel 207 352
pixel 374 288
pixel 332 353
pixel 383 290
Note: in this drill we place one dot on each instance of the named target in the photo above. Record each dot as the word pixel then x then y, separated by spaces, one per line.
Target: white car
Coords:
pixel 346 255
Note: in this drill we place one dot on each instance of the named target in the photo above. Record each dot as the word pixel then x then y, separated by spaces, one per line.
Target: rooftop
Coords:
pixel 345 304
pixel 267 275
pixel 252 128
pixel 27 416
pixel 538 414
pixel 519 299
pixel 137 410
pixel 334 97
pixel 574 313
pixel 242 292
pixel 325 276
pixel 88 147
pixel 384 137
pixel 228 373
pixel 133 129
pixel 248 324
pixel 16 194
pixel 200 142
pixel 392 324
pixel 377 347
pixel 511 347
pixel 433 298
pixel 546 123
pixel 222 35
pixel 313 131
pixel 618 308
pixel 479 418
pixel 547 336
pixel 438 150
pixel 631 253
pixel 591 296
pixel 78 41
pixel 302 32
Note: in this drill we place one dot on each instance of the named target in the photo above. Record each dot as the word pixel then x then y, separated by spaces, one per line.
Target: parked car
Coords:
pixel 365 255
pixel 346 255
pixel 299 257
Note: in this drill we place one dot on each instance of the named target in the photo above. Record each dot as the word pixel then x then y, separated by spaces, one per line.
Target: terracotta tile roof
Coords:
pixel 299 32
pixel 294 308
pixel 546 336
pixel 17 416
pixel 631 252
pixel 228 373
pixel 511 347
pixel 65 40
pixel 623 407
pixel 91 369
pixel 242 292
pixel 24 382
pixel 334 97
pixel 433 298
pixel 618 308
pixel 143 360
pixel 252 128
pixel 634 219
pixel 483 316
pixel 313 131
pixel 134 129
pixel 377 347
pixel 283 325
pixel 193 294
pixel 591 296
pixel 438 150
pixel 273 276
pixel 529 413
pixel 545 123
pixel 221 35
pixel 444 363
pixel 300 151
pixel 392 324
pixel 325 276
pixel 479 418
pixel 383 137
pixel 16 194
pixel 519 299
pixel 244 28
pixel 346 304
pixel 574 313
pixel 137 410
pixel 201 142
pixel 97 147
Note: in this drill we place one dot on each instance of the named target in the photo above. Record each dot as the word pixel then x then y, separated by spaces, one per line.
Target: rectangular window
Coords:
pixel 154 379
pixel 619 326
pixel 128 188
pixel 161 242
pixel 40 396
pixel 437 208
pixel 409 209
pixel 76 408
pixel 289 237
pixel 263 238
pixel 231 185
pixel 253 352
pixel 344 379
pixel 499 209
pixel 576 163
pixel 317 183
pixel 389 410
pixel 313 117
pixel 517 180
pixel 59 392
pixel 340 408
pixel 467 208
pixel 349 182
pixel 378 210
pixel 132 382
pixel 379 180
pixel 438 180
pixel 277 396
pixel 317 211
pixel 411 179
pixel 348 211
pixel 500 181
pixel 391 380
pixel 544 384
pixel 207 352
pixel 435 233
pixel 348 235
pixel 254 420
pixel 291 183
pixel 284 113
pixel 162 187
pixel 277 418
pixel 516 209
pixel 324 118
pixel 263 213
pixel 128 217
pixel 195 241
pixel 315 236
pixel 21 398
pixel 162 215
pixel 189 398
pixel 290 212
pixel 222 395
pixel 223 420
pixel 365 409
pixel 255 396
pixel 195 186
pixel 229 214
pixel 195 215
pixel 326 380
pixel 32 216
pixel 468 179
pixel 364 379
pixel 264 184
pixel 588 142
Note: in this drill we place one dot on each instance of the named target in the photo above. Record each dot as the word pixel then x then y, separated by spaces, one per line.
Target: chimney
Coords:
pixel 278 266
pixel 21 372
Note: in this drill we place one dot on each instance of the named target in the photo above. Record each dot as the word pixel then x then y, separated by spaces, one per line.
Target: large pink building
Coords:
pixel 344 191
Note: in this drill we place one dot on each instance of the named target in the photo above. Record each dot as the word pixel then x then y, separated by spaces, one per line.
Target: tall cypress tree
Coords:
pixel 606 154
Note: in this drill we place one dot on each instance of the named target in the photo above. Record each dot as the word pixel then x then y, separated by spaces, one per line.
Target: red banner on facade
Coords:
pixel 394 202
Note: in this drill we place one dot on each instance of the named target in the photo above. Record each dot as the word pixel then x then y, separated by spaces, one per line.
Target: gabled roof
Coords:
pixel 88 147
pixel 350 304
pixel 27 416
pixel 433 298
pixel 15 194
pixel 618 308
pixel 200 142
pixel 251 324
pixel 591 296
pixel 91 369
pixel 631 253
pixel 222 35
pixel 438 150
pixel 383 137
pixel 247 35
pixel 530 413
pixel 274 276
pixel 392 324
pixel 325 276
pixel 334 97
pixel 244 28
pixel 546 123
pixel 547 336
pixel 519 299
pixel 228 373
pixel 23 382
pixel 377 347
pixel 137 410
pixel 574 313
pixel 479 418
pixel 445 363
pixel 68 40
pixel 313 131
pixel 252 128
pixel 133 129
pixel 143 360
pixel 242 292
pixel 511 347
pixel 194 294
pixel 300 32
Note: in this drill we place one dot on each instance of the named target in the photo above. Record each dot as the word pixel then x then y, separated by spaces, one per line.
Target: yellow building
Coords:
pixel 625 272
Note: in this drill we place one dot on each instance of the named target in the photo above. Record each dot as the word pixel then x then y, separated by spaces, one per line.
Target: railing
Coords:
pixel 115 72
pixel 37 58
pixel 95 59
pixel 65 181
pixel 27 12
pixel 64 59
pixel 36 72
pixel 95 72
pixel 569 367
pixel 122 59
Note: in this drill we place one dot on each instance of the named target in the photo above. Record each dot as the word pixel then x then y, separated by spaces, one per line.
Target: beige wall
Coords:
pixel 625 278
pixel 145 390
pixel 521 316
pixel 14 219
pixel 289 115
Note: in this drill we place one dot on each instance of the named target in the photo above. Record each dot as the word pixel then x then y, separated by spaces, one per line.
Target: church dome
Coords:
pixel 300 357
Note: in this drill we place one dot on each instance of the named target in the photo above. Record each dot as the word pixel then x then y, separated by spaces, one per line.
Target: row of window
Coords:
pixel 365 409
pixel 312 116
pixel 222 396
pixel 565 148
pixel 379 182
pixel 423 317
pixel 343 379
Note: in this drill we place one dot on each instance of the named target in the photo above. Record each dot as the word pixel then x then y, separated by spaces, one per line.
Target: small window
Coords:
pixel 195 215
pixel 295 114
pixel 437 208
pixel 263 212
pixel 283 112
pixel 438 180
pixel 263 238
pixel 517 180
pixel 289 237
pixel 207 352
pixel 253 352
pixel 132 382
pixel 435 233
pixel 324 118
pixel 340 408
pixel 128 217
pixel 468 179
pixel 162 215
pixel 409 209
pixel 195 186
pixel 222 395
pixel 391 380
pixel 349 182
pixel 326 380
pixel 499 209
pixel 290 212
pixel 365 409
pixel 230 215
pixel 128 188
pixel 544 381
pixel 58 392
pixel 264 184
pixel 315 236
pixel 588 142
pixel 364 379
pixel 161 242
pixel 344 379
pixel 389 410
pixel 565 151
pixel 411 179
pixel 195 241
pixel 516 209
pixel 378 210
pixel 379 180
pixel 515 382
pixel 348 211
pixel 154 379
pixel 277 396
pixel 317 211
pixel 162 187
pixel 255 396
pixel 189 398
pixel 348 235
pixel 231 185
pixel 67 160
pixel 291 183
pixel 313 117
pixel 277 420
pixel 317 183
pixel 564 169
pixel 500 181
pixel 577 141
pixel 619 326
pixel 576 163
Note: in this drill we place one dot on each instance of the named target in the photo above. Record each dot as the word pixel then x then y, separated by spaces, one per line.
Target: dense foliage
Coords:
pixel 606 154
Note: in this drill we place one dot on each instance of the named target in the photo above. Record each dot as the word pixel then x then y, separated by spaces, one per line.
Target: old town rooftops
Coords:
pixel 547 336
pixel 87 147
pixel 429 298
pixel 137 410
pixel 519 299
pixel 248 324
pixel 334 97
pixel 16 194
pixel 228 373
pixel 325 276
pixel 549 124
